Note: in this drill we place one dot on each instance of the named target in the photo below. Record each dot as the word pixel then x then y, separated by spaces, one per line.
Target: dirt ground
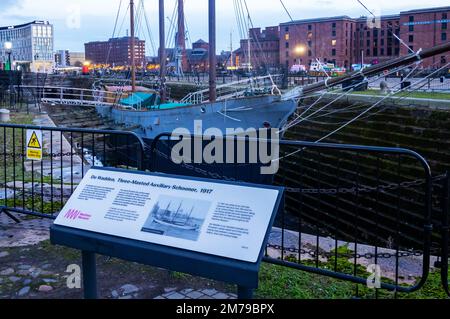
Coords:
pixel 39 272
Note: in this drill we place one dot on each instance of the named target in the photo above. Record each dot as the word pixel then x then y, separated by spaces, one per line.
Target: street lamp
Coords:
pixel 8 49
pixel 300 49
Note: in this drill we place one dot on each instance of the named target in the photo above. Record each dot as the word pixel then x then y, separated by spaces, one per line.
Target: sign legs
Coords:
pixel 89 275
pixel 245 293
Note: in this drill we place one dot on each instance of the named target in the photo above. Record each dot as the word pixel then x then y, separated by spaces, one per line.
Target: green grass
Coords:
pixel 280 282
pixel 419 95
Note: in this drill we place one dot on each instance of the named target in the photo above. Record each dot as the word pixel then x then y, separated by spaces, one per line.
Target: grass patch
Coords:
pixel 279 282
pixel 418 95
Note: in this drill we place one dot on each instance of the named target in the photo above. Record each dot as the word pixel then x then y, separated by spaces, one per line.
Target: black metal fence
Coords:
pixel 367 215
pixel 361 214
pixel 41 188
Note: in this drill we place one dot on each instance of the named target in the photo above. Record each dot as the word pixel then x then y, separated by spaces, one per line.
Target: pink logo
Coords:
pixel 76 214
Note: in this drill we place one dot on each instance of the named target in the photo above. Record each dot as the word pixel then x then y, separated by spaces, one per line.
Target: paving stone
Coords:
pixel 205 297
pixel 167 290
pixel 49 281
pixel 129 289
pixel 209 292
pixel 195 294
pixel 24 291
pixel 160 298
pixel 114 294
pixel 7 272
pixel 176 295
pixel 221 296
pixel 14 279
pixel 23 272
pixel 35 273
pixel 126 297
pixel 186 291
pixel 27 281
pixel 24 267
pixel 46 266
pixel 4 254
pixel 233 296
pixel 45 288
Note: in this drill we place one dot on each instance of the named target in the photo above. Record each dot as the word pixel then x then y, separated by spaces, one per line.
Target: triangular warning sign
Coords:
pixel 34 141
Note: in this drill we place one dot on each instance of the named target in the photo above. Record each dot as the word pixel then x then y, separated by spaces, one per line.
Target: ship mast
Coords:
pixel 162 51
pixel 133 51
pixel 212 51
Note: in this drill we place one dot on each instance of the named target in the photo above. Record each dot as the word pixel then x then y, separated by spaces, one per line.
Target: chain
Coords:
pixel 54 155
pixel 329 191
pixel 315 253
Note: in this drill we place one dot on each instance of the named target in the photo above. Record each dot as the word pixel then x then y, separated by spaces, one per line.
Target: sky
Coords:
pixel 80 21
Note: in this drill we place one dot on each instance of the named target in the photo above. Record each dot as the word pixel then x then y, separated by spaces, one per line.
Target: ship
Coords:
pixel 177 219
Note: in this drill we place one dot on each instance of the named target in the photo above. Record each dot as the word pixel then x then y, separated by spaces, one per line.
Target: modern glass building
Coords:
pixel 32 46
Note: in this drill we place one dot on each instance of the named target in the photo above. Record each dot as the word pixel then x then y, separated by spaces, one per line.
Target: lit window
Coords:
pixel 286 37
pixel 333 42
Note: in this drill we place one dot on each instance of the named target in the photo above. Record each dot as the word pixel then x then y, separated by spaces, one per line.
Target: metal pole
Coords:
pixel 89 275
pixel 133 51
pixel 162 51
pixel 212 51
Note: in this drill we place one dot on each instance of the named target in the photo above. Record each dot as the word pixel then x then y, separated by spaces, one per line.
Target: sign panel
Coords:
pixel 34 145
pixel 218 219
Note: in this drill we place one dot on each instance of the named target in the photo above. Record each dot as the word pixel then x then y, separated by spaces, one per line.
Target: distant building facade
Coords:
pixel 62 58
pixel 77 59
pixel 344 41
pixel 116 51
pixel 261 52
pixel 33 46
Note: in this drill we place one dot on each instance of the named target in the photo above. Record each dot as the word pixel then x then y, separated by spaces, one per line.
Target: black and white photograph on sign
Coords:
pixel 177 217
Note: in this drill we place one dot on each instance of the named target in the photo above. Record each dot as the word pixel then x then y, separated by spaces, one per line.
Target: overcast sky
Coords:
pixel 97 17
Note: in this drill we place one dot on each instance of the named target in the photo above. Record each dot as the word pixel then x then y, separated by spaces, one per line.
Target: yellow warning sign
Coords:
pixel 34 145
pixel 34 141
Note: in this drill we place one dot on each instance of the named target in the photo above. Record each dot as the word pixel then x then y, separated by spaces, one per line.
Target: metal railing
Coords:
pixel 445 229
pixel 347 207
pixel 41 188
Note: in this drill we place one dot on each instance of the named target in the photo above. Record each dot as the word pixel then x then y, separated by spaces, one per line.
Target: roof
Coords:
pixel 25 25
pixel 326 19
pixel 426 10
pixel 200 41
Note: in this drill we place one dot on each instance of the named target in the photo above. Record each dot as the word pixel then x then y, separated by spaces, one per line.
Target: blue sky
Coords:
pixel 80 21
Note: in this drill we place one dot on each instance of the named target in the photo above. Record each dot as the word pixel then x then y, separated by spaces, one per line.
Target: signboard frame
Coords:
pixel 34 153
pixel 241 273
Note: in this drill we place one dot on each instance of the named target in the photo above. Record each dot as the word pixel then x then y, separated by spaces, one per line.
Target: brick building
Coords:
pixel 345 41
pixel 116 51
pixel 264 49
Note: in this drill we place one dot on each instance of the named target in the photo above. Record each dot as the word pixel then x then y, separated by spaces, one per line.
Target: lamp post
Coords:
pixel 8 49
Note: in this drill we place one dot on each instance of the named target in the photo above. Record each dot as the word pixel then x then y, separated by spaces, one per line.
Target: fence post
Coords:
pixel 445 232
pixel 89 275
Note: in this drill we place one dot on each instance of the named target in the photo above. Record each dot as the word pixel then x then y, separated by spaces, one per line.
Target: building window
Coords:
pixel 382 51
pixel 333 25
pixel 286 37
pixel 368 34
pixel 411 18
pixel 309 27
pixel 333 33
pixel 375 52
pixel 411 28
pixel 310 43
pixel 309 53
pixel 444 36
pixel 411 38
pixel 444 26
pixel 310 35
pixel 333 52
pixel 333 42
pixel 286 29
pixel 411 48
pixel 443 60
pixel 368 52
pixel 287 54
pixel 444 16
pixel 287 45
pixel 397 51
pixel 382 42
